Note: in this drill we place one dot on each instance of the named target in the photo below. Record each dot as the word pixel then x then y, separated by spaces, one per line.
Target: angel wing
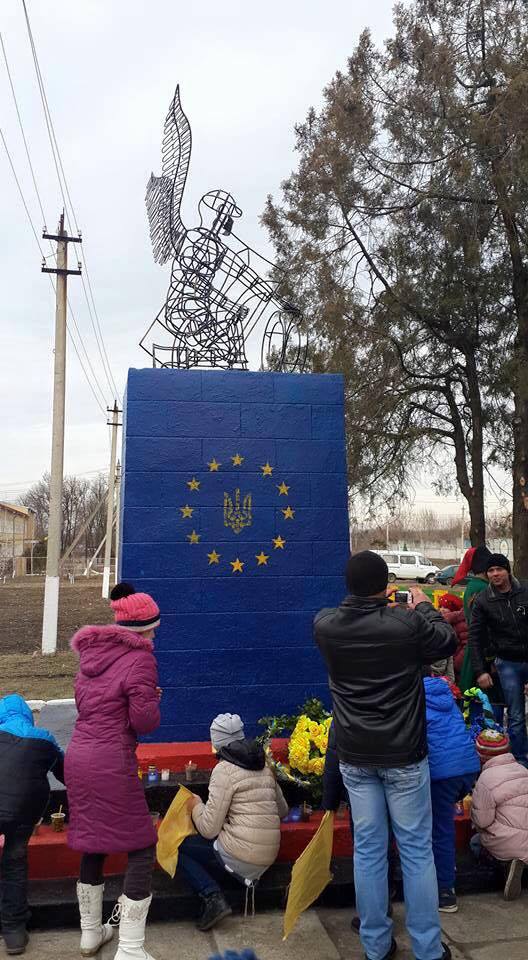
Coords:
pixel 164 194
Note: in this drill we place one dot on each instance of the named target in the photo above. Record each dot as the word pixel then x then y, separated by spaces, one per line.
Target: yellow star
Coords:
pixel 288 513
pixel 278 543
pixel 213 466
pixel 186 511
pixel 193 537
pixel 267 470
pixel 237 565
pixel 261 559
pixel 214 557
pixel 193 484
pixel 282 488
pixel 237 460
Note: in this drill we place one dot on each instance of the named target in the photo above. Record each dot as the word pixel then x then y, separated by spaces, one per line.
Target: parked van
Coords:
pixel 405 565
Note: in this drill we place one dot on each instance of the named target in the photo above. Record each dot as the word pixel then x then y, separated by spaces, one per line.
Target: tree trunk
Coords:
pixel 477 519
pixel 520 455
pixel 477 526
pixel 471 488
pixel 520 384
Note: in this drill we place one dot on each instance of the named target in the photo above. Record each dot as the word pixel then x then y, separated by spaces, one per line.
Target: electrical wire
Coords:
pixel 53 253
pixel 35 234
pixel 17 181
pixel 68 203
pixel 29 483
pixel 22 129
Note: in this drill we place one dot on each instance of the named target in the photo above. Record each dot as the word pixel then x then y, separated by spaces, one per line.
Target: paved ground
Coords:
pixel 485 928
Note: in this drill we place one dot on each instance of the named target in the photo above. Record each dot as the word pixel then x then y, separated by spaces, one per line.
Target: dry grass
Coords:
pixel 22 667
pixel 36 677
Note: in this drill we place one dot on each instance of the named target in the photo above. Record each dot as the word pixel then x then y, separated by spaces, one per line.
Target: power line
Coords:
pixel 29 483
pixel 35 234
pixel 17 181
pixel 61 176
pixel 102 405
pixel 22 130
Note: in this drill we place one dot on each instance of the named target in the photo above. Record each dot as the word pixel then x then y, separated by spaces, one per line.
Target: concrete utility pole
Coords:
pixel 51 589
pixel 117 518
pixel 13 573
pixel 462 532
pixel 114 423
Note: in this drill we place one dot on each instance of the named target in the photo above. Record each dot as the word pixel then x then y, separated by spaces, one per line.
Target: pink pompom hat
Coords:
pixel 135 611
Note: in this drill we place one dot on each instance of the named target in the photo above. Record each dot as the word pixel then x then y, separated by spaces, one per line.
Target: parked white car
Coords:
pixel 405 565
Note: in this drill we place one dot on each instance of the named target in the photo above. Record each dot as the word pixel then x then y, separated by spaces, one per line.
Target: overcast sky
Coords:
pixel 247 72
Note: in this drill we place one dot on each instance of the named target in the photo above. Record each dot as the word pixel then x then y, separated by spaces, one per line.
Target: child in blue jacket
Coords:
pixel 27 753
pixel 454 766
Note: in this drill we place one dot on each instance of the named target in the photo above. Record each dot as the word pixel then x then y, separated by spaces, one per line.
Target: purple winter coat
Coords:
pixel 116 697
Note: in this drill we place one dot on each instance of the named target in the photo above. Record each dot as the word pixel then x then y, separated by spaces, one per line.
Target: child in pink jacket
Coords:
pixel 500 807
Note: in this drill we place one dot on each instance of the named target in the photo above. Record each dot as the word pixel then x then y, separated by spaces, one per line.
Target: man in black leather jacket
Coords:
pixel 499 627
pixel 374 652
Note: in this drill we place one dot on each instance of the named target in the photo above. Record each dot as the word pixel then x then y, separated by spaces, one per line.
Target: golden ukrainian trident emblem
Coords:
pixel 237 517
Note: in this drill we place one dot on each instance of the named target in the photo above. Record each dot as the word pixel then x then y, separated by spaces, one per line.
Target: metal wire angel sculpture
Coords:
pixel 216 296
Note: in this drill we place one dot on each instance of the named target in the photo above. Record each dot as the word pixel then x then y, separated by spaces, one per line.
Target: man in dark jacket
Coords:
pixel 499 627
pixel 374 652
pixel 27 753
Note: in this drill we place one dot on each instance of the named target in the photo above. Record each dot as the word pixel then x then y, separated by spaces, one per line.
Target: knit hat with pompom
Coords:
pixel 450 601
pixel 492 743
pixel 135 611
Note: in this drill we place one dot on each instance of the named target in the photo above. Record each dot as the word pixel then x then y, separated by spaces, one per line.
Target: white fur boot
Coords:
pixel 132 929
pixel 94 933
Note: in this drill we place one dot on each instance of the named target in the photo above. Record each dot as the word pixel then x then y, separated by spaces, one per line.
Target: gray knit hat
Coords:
pixel 225 729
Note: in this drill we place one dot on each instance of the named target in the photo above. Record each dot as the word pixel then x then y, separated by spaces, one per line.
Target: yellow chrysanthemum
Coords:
pixel 307 737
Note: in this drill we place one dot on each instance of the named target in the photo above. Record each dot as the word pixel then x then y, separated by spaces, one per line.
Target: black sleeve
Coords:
pixel 478 635
pixel 57 767
pixel 333 786
pixel 437 639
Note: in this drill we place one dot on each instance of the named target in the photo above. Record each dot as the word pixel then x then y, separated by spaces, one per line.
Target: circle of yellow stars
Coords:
pixel 278 543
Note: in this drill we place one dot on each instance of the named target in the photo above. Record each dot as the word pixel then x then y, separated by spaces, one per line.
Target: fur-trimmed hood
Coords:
pixel 99 646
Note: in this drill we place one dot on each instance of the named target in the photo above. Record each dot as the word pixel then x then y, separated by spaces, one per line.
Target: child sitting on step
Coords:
pixel 239 826
pixel 500 808
pixel 27 753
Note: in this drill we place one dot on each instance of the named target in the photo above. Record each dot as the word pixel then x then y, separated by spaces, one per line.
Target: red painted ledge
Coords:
pixel 174 756
pixel 50 858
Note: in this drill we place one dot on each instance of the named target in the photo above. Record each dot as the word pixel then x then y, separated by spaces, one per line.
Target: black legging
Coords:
pixel 138 876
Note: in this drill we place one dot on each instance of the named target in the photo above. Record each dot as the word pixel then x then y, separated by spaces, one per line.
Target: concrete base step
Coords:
pixel 54 902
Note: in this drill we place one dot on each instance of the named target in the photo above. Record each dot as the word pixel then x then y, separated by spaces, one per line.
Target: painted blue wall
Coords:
pixel 229 640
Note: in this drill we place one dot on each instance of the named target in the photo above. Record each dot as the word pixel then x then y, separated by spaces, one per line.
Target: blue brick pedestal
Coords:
pixel 234 517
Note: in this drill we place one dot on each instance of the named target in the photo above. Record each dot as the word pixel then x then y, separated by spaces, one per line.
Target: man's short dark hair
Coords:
pixel 366 574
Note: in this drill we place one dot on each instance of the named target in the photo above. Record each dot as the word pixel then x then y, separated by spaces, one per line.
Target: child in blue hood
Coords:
pixel 454 766
pixel 27 753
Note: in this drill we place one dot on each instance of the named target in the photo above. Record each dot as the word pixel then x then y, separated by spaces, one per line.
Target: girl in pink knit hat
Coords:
pixel 117 696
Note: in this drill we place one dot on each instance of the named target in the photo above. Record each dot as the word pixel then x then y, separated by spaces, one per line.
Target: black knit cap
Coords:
pixel 366 574
pixel 498 560
pixel 480 559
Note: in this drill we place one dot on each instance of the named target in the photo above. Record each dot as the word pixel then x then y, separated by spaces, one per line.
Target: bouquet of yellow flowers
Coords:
pixel 307 745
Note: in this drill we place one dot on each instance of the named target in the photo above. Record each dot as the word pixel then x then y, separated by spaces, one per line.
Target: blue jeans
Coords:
pixel 401 796
pixel 444 795
pixel 195 856
pixel 513 677
pixel 14 872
